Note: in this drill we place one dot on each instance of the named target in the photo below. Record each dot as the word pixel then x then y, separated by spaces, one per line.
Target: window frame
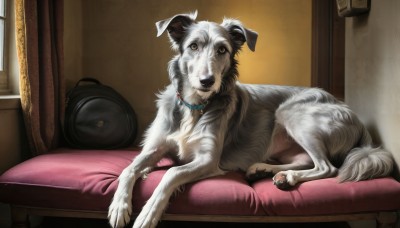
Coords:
pixel 4 74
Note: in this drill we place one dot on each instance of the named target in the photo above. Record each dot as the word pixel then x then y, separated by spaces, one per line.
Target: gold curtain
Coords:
pixel 39 34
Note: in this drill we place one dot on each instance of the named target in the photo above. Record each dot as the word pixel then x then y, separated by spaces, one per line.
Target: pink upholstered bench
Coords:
pixel 81 183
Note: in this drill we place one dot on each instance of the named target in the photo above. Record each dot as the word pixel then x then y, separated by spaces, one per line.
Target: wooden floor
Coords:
pixel 52 222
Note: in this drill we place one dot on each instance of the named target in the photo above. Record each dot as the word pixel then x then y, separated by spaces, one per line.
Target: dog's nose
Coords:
pixel 207 80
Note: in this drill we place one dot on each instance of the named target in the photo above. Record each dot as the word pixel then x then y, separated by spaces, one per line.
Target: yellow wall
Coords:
pixel 73 40
pixel 115 41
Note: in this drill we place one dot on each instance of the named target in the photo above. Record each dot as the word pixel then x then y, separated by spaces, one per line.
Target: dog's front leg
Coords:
pixel 120 210
pixel 155 147
pixel 203 166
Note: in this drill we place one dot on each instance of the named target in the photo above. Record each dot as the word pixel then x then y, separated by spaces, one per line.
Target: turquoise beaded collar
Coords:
pixel 199 107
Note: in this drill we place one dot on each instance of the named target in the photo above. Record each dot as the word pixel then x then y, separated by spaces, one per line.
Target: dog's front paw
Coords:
pixel 145 221
pixel 284 180
pixel 257 171
pixel 148 217
pixel 119 213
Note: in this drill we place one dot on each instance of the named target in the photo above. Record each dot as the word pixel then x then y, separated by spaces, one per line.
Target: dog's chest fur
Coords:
pixel 181 137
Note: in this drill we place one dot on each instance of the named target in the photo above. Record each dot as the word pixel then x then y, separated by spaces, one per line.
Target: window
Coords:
pixel 3 47
pixel 9 69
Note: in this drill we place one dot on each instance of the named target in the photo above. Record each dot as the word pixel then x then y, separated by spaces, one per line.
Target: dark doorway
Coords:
pixel 328 48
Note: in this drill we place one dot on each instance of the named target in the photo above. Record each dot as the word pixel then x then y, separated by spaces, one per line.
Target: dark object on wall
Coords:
pixel 98 117
pixel 349 8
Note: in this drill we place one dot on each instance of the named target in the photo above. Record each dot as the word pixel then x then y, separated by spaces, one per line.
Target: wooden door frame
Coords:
pixel 328 40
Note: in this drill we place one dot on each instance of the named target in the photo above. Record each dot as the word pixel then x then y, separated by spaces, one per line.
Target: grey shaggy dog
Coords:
pixel 213 124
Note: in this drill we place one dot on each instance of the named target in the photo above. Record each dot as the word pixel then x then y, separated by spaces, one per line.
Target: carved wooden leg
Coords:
pixel 19 217
pixel 386 220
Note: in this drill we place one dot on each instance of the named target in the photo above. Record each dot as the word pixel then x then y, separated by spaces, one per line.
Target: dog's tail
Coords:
pixel 366 162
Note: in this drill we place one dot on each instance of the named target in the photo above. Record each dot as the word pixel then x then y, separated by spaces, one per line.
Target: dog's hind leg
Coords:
pixel 259 171
pixel 312 126
pixel 283 154
pixel 322 167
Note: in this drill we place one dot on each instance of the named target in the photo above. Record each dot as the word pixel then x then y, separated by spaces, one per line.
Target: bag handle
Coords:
pixel 87 79
pixel 93 80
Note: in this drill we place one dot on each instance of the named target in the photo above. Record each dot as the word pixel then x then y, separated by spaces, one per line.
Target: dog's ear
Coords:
pixel 240 34
pixel 176 26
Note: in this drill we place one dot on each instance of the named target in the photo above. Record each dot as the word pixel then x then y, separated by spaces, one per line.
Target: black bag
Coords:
pixel 97 117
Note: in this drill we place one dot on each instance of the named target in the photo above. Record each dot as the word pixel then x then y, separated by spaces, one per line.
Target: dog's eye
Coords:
pixel 221 50
pixel 194 47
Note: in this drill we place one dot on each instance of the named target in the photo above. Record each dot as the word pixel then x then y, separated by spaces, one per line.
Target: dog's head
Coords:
pixel 206 49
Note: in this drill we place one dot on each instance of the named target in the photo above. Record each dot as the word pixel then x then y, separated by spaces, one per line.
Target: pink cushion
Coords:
pixel 65 179
pixel 223 195
pixel 86 180
pixel 327 196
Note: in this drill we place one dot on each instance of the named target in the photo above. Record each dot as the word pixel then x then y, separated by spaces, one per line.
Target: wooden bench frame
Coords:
pixel 384 219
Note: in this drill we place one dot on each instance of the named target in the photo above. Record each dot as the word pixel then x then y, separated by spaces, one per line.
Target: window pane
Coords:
pixel 2 44
pixel 2 8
